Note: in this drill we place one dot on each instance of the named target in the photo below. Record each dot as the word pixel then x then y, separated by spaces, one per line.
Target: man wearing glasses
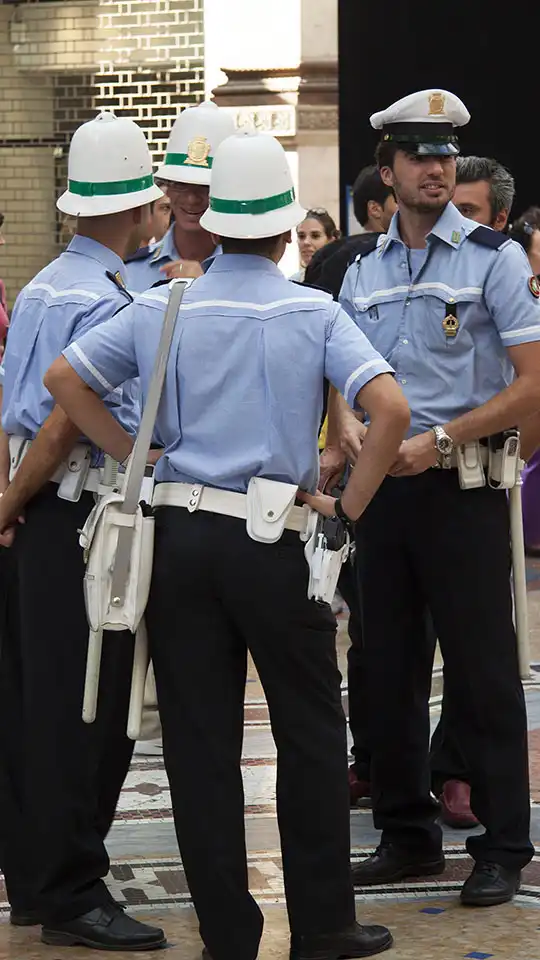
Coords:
pixel 185 178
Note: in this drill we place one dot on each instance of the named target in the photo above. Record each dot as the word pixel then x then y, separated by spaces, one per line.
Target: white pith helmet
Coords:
pixel 193 142
pixel 109 168
pixel 252 192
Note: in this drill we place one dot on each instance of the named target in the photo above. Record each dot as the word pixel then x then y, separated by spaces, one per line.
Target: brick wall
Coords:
pixel 61 61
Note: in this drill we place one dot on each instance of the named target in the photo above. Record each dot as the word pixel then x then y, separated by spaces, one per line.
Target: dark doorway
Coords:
pixel 486 53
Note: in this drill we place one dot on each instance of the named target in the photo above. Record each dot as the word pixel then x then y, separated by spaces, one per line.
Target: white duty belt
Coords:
pixel 73 476
pixel 197 497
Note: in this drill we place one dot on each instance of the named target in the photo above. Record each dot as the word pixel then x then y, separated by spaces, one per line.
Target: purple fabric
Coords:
pixel 531 501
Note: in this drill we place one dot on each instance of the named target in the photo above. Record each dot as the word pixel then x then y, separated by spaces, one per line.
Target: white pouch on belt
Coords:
pixel 99 540
pixel 269 503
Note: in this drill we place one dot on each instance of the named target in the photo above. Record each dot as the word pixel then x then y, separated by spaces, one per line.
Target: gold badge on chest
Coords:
pixel 450 323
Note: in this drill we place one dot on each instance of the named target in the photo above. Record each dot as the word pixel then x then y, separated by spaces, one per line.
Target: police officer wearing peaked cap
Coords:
pixel 187 248
pixel 61 777
pixel 452 306
pixel 239 420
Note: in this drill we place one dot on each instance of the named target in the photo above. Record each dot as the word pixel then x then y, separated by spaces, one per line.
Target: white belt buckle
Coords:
pixel 194 497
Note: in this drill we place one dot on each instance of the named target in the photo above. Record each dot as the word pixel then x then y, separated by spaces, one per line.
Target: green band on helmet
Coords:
pixel 183 160
pixel 114 188
pixel 265 205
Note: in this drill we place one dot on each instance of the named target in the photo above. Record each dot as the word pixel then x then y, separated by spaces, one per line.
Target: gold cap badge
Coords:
pixel 198 152
pixel 436 104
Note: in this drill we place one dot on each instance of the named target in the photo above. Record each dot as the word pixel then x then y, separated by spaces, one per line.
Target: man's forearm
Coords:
pixel 339 413
pixel 87 410
pixel 507 409
pixel 530 436
pixel 378 453
pixel 51 447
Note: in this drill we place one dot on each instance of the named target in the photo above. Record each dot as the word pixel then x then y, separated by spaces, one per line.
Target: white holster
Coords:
pixel 324 564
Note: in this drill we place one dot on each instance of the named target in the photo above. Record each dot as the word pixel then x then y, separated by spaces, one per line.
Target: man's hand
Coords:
pixel 154 455
pixel 8 528
pixel 319 502
pixel 415 456
pixel 182 270
pixel 332 463
pixel 351 437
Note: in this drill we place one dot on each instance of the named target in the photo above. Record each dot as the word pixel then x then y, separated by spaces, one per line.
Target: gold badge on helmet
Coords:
pixel 198 152
pixel 436 104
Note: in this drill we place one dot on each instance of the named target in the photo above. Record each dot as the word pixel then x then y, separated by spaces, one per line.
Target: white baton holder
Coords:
pixel 118 541
pixel 519 577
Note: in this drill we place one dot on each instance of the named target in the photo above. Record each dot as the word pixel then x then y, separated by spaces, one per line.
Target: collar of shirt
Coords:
pixel 97 251
pixel 243 262
pixel 451 227
pixel 165 249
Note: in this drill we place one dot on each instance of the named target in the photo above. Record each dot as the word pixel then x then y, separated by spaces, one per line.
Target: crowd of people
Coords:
pixel 412 348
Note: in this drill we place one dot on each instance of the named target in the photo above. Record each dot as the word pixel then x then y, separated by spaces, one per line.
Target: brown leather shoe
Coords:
pixel 358 788
pixel 455 801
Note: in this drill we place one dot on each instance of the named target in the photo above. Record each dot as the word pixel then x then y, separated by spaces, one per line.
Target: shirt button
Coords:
pixel 404 381
pixel 404 341
pixel 403 264
pixel 407 303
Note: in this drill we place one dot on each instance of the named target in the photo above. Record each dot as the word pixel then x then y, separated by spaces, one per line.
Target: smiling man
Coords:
pixel 185 178
pixel 453 307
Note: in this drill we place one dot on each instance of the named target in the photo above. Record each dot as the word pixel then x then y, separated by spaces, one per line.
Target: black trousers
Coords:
pixel 349 588
pixel 215 595
pixel 424 543
pixel 446 759
pixel 60 778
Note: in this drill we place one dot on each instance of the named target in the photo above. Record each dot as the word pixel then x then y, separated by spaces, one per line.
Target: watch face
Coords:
pixel 445 444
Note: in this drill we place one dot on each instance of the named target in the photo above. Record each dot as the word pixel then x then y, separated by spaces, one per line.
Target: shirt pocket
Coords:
pixel 380 321
pixel 446 326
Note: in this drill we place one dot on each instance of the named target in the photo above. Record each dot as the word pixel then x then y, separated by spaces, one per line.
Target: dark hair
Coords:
pixel 368 186
pixel 263 247
pixel 326 221
pixel 1 220
pixel 385 152
pixel 523 229
pixel 501 182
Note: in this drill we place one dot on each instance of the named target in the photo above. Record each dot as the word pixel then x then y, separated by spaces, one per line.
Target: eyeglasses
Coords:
pixel 172 186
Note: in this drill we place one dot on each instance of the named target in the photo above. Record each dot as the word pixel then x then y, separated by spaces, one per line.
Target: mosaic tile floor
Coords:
pixel 425 916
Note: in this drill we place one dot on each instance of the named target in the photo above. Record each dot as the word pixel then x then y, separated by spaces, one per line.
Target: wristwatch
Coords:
pixel 444 444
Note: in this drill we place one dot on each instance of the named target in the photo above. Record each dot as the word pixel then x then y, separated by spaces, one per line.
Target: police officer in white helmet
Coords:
pixel 60 779
pixel 187 248
pixel 239 420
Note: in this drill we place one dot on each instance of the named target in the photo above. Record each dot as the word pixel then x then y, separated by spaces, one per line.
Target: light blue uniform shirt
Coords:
pixel 402 314
pixel 143 273
pixel 243 393
pixel 71 295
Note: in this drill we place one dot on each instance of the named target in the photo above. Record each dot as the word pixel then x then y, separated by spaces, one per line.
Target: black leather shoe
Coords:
pixel 490 884
pixel 355 941
pixel 390 863
pixel 106 928
pixel 24 918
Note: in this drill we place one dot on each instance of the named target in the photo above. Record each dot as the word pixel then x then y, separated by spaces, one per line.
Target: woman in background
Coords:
pixel 314 232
